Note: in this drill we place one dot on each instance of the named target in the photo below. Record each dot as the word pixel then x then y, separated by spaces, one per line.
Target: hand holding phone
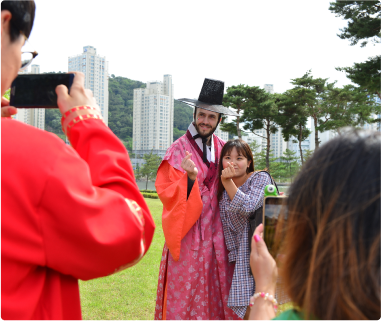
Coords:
pixel 63 91
pixel 78 96
pixel 263 265
pixel 6 110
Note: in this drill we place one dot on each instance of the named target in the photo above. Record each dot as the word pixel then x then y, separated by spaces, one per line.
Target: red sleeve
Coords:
pixel 179 214
pixel 94 219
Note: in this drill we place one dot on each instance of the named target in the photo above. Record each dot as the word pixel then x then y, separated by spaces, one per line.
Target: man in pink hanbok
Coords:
pixel 195 274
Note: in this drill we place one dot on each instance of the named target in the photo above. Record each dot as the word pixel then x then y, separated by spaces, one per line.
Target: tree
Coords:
pixel 149 169
pixel 261 112
pixel 308 153
pixel 364 20
pixel 235 98
pixel 291 163
pixel 177 133
pixel 254 146
pixel 308 93
pixel 347 106
pixel 366 74
pixel 182 116
pixel 275 168
pixel 294 115
pixel 363 17
pixel 53 121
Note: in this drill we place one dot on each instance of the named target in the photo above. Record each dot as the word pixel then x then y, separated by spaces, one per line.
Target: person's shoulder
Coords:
pixel 14 126
pixel 260 176
pixel 180 144
pixel 26 139
pixel 177 150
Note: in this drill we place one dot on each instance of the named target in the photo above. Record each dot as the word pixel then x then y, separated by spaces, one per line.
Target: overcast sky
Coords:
pixel 248 42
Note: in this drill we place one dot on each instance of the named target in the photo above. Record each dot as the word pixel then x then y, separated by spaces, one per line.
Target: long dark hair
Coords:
pixel 331 248
pixel 22 17
pixel 243 149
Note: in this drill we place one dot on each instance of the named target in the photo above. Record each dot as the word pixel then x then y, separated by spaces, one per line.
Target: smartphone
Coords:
pixel 271 210
pixel 38 90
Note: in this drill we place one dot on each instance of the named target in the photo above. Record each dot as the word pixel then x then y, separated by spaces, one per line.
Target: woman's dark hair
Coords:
pixel 22 17
pixel 331 267
pixel 243 149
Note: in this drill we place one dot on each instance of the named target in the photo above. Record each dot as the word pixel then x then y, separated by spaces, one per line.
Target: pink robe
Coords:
pixel 197 281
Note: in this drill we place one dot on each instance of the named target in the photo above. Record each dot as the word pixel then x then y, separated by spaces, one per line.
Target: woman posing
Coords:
pixel 240 193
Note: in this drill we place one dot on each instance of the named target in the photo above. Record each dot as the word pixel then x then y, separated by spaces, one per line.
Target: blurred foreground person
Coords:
pixel 67 213
pixel 331 247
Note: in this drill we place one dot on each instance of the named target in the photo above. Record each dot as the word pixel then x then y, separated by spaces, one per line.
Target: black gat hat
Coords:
pixel 210 98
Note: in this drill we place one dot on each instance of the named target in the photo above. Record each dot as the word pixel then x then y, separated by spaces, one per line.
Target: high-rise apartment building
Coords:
pixel 95 69
pixel 31 116
pixel 153 117
pixel 221 134
pixel 35 69
pixel 269 88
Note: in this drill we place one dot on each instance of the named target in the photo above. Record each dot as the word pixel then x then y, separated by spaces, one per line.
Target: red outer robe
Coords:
pixel 65 217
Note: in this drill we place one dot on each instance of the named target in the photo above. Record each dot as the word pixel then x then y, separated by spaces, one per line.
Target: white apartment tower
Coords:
pixel 32 116
pixel 95 69
pixel 35 69
pixel 221 134
pixel 153 117
pixel 269 88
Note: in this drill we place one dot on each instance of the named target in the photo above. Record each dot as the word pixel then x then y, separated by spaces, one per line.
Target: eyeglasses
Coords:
pixel 26 59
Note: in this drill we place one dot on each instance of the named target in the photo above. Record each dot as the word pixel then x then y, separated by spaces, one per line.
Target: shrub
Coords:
pixel 147 191
pixel 150 195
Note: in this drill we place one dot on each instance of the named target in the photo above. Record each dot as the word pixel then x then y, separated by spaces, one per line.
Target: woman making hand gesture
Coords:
pixel 240 193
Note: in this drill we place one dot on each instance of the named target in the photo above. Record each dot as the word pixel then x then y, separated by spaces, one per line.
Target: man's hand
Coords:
pixel 6 110
pixel 228 172
pixel 189 166
pixel 79 96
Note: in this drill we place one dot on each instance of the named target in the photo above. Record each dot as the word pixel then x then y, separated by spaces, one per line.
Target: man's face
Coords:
pixel 206 122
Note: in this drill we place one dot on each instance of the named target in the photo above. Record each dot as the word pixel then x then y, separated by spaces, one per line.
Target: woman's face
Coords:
pixel 240 162
pixel 10 53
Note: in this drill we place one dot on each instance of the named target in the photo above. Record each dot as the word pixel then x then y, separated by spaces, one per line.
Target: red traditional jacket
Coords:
pixel 67 213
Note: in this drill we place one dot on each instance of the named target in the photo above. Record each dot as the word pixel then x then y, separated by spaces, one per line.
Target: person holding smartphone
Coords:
pixel 240 192
pixel 67 212
pixel 330 263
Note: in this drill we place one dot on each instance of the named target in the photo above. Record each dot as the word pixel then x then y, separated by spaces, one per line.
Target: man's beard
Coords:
pixel 199 132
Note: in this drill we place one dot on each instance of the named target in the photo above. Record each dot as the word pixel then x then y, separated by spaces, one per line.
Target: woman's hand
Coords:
pixel 262 264
pixel 228 172
pixel 6 110
pixel 79 96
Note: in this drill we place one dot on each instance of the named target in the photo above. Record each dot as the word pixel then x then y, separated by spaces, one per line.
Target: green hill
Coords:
pixel 120 115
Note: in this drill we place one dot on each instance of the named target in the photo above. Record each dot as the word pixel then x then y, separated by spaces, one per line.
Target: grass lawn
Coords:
pixel 130 294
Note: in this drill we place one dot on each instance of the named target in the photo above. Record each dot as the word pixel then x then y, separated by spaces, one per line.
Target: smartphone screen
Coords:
pixel 271 210
pixel 38 90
